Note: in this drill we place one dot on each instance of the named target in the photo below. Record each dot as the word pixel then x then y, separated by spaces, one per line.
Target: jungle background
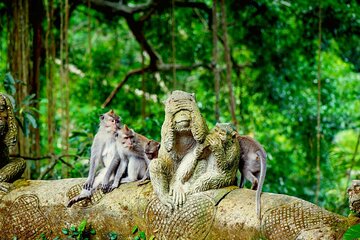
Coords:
pixel 285 72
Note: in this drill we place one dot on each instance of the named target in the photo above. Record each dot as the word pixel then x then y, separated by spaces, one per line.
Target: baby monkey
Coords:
pixel 102 152
pixel 252 166
pixel 152 151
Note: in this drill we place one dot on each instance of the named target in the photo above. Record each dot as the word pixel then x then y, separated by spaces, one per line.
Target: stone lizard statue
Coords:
pixel 183 129
pixel 10 170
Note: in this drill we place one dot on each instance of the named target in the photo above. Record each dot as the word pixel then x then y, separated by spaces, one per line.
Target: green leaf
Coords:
pixel 113 235
pixel 65 231
pixel 30 118
pixel 92 231
pixel 152 237
pixel 137 238
pixel 29 99
pixel 73 228
pixel 352 233
pixel 75 134
pixel 9 84
pixel 15 238
pixel 134 230
pixel 82 226
pixel 57 238
pixel 142 235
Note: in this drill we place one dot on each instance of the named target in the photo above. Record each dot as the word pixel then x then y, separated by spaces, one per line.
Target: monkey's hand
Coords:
pixel 106 187
pixel 88 184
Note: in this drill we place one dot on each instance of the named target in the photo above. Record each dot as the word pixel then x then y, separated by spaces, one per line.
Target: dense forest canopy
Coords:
pixel 285 72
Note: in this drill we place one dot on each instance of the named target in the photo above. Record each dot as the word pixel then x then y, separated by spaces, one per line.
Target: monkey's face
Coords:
pixel 3 117
pixel 110 122
pixel 182 121
pixel 152 149
pixel 128 141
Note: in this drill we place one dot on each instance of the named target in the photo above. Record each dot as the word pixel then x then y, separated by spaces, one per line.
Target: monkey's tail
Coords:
pixel 83 195
pixel 262 156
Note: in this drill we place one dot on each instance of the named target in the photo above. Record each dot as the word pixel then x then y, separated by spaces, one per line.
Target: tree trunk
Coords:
pixel 19 57
pixel 40 207
pixel 228 63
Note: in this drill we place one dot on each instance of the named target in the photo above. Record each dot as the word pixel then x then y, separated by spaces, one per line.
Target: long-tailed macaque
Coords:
pixel 103 151
pixel 252 166
pixel 152 151
pixel 130 148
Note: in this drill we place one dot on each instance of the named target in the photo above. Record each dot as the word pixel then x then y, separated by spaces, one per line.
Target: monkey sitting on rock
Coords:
pixel 102 152
pixel 132 160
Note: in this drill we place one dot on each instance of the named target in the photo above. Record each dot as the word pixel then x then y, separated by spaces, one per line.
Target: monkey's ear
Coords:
pixel 158 147
pixel 116 134
pixel 126 127
pixel 149 142
pixel 193 95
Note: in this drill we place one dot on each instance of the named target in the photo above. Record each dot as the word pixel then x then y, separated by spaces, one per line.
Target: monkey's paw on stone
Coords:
pixel 87 185
pixel 106 187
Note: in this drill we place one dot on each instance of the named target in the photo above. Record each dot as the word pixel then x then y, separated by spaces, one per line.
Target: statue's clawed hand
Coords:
pixel 178 195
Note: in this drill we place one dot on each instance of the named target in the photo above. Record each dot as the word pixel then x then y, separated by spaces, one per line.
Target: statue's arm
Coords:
pixel 12 170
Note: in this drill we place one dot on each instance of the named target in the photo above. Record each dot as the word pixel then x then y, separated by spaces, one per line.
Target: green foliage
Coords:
pixel 82 232
pixel 112 236
pixel 352 233
pixel 25 111
pixel 139 235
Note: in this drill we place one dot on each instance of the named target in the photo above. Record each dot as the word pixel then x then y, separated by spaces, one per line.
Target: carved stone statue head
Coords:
pixel 8 129
pixel 181 115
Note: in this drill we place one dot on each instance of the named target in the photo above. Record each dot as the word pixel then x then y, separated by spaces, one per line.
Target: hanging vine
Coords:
pixel 318 134
pixel 64 75
pixel 50 57
pixel 89 53
pixel 215 61
pixel 173 47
